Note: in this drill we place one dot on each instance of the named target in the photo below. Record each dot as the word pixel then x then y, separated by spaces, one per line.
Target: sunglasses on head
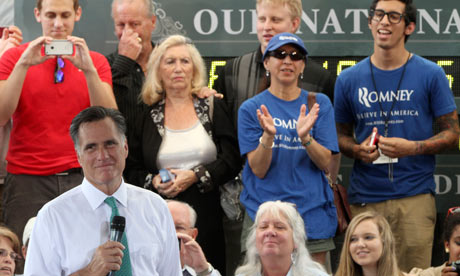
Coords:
pixel 282 54
pixel 452 211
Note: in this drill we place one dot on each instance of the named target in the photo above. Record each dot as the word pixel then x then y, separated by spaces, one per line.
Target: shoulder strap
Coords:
pixel 311 99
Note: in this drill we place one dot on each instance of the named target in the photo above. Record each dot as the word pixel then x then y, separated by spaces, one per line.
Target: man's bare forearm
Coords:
pixel 446 139
pixel 347 142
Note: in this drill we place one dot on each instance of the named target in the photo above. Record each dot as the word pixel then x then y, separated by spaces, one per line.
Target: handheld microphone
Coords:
pixel 117 227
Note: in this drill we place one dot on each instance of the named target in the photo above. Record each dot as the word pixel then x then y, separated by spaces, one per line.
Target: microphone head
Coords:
pixel 118 224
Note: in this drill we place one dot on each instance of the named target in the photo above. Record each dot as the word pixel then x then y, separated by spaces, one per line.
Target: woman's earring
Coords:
pixel 447 250
pixel 301 76
pixel 293 256
pixel 267 73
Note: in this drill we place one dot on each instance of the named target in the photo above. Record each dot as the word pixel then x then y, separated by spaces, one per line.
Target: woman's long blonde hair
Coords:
pixel 153 89
pixel 387 265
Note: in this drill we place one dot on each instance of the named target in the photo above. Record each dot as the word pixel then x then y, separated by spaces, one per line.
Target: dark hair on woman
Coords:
pixel 410 12
pixel 449 225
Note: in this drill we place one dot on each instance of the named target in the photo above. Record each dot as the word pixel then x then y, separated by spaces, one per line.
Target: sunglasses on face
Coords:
pixel 393 17
pixel 3 253
pixel 282 54
pixel 58 73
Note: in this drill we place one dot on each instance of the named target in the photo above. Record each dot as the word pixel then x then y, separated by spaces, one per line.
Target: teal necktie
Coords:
pixel 125 269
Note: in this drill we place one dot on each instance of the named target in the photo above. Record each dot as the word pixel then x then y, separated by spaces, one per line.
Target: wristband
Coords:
pixel 206 272
pixel 265 146
pixel 306 144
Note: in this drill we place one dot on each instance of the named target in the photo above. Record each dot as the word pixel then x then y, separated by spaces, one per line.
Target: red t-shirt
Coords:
pixel 40 142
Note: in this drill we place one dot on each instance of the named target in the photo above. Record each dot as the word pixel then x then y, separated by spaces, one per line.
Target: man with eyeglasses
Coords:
pixel 394 97
pixel 192 258
pixel 42 93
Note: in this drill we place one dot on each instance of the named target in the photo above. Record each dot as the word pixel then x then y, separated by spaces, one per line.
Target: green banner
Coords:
pixel 228 28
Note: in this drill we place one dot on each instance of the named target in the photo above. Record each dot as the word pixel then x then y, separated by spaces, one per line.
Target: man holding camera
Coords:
pixel 42 93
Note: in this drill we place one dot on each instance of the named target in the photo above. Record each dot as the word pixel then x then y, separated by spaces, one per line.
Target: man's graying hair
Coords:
pixel 94 114
pixel 150 7
pixel 192 212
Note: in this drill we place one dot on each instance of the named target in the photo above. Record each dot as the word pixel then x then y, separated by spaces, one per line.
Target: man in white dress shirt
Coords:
pixel 192 258
pixel 71 234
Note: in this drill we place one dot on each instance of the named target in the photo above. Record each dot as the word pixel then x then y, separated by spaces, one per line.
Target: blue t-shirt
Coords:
pixel 423 95
pixel 292 176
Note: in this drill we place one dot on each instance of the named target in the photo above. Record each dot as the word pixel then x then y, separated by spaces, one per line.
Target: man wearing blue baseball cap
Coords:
pixel 288 137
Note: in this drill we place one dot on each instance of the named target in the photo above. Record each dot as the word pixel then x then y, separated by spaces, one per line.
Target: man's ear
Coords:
pixel 295 25
pixel 37 15
pixel 78 14
pixel 125 147
pixel 154 21
pixel 409 28
pixel 194 233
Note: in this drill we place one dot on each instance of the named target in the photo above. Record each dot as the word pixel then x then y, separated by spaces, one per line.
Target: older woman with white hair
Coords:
pixel 276 244
pixel 192 138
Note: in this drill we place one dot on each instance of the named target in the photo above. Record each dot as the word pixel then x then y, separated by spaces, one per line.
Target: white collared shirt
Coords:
pixel 69 229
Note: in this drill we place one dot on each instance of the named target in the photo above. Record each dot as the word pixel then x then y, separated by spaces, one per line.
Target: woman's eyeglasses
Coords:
pixel 281 54
pixel 58 73
pixel 15 256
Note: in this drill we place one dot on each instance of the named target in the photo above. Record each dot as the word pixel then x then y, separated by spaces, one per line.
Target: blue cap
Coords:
pixel 282 39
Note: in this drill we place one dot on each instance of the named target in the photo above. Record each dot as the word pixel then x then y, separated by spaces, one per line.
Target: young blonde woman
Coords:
pixel 369 248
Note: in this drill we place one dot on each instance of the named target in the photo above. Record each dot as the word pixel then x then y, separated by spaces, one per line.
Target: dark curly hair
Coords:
pixel 449 225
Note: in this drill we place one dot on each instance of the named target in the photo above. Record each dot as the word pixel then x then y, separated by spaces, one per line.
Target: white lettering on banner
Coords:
pixel 332 21
pixel 424 15
pixel 454 17
pixel 446 183
pixel 458 184
pixel 311 24
pixel 227 22
pixel 254 22
pixel 356 18
pixel 367 98
pixel 212 26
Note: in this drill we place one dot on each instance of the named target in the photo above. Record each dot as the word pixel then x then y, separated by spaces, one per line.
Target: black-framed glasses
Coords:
pixel 393 17
pixel 58 73
pixel 15 256
pixel 281 54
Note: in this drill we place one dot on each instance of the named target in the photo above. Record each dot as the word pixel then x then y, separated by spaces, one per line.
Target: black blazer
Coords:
pixel 147 138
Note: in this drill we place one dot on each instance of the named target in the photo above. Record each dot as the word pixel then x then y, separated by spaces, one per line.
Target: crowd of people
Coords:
pixel 115 163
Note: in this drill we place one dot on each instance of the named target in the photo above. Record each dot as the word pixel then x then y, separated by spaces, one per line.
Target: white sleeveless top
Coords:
pixel 186 148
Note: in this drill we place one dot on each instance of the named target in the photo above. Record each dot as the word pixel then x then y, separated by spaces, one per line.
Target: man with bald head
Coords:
pixel 134 22
pixel 192 258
